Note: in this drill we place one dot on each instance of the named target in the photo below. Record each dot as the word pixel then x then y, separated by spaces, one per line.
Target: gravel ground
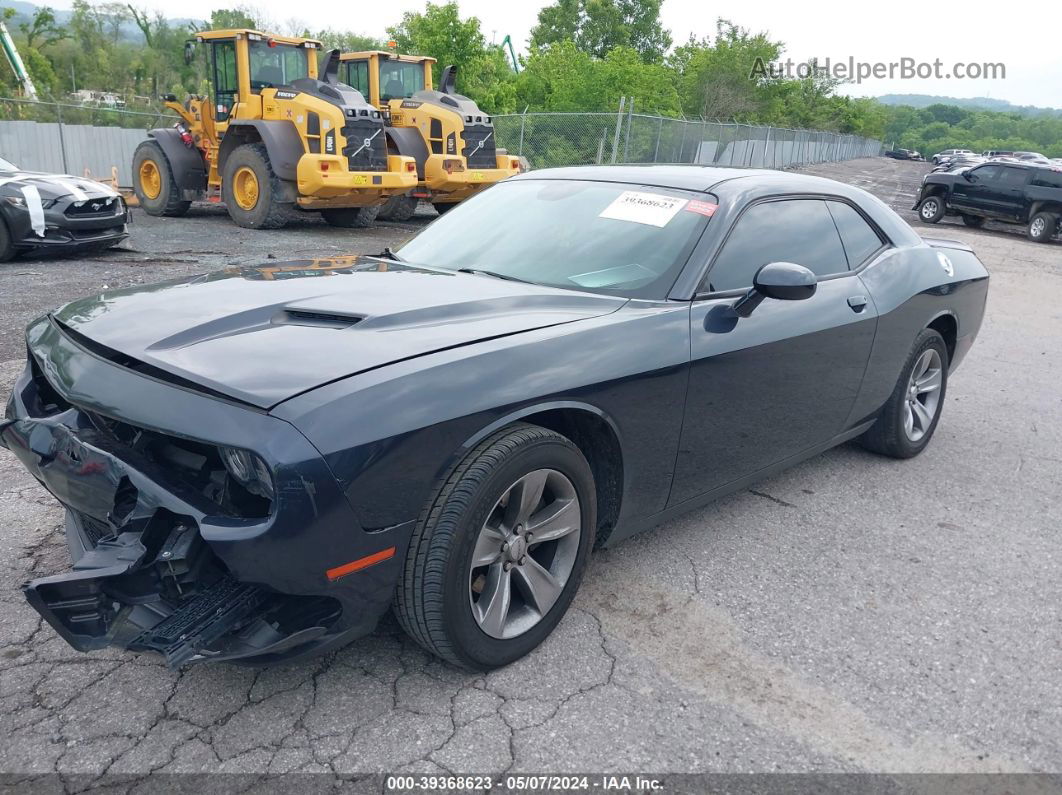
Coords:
pixel 853 614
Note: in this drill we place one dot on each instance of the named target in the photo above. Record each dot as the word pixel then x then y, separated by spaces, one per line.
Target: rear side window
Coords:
pixel 791 230
pixel 1047 179
pixel 1012 176
pixel 860 239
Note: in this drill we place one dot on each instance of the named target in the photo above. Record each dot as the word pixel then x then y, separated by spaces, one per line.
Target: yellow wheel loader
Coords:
pixel 272 139
pixel 450 138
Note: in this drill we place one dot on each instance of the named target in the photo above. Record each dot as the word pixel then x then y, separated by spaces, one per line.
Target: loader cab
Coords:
pixel 383 76
pixel 240 63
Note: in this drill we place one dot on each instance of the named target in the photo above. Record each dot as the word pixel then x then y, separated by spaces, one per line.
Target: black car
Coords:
pixel 903 154
pixel 56 212
pixel 1011 192
pixel 256 465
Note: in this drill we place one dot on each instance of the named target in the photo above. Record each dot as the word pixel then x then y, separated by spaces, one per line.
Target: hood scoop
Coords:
pixel 307 317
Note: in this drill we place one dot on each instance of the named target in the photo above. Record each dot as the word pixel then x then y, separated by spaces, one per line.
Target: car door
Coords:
pixel 976 190
pixel 1010 191
pixel 769 386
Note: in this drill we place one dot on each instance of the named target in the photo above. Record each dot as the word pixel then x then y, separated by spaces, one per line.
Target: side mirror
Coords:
pixel 966 175
pixel 782 281
pixel 189 52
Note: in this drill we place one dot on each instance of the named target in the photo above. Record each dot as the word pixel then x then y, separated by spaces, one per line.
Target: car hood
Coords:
pixel 53 186
pixel 265 334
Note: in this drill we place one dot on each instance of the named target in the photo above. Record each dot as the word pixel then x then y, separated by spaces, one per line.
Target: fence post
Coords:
pixel 627 139
pixel 62 139
pixel 615 135
pixel 659 130
pixel 523 119
pixel 766 143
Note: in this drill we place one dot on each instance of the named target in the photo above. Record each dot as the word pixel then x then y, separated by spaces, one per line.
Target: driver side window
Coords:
pixel 985 173
pixel 791 230
pixel 225 80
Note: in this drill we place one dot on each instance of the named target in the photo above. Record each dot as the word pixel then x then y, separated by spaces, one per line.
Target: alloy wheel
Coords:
pixel 525 553
pixel 923 395
pixel 929 208
pixel 1038 226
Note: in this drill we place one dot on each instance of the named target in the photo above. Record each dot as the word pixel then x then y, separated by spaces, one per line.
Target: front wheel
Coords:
pixel 7 245
pixel 443 207
pixel 398 208
pixel 931 209
pixel 498 554
pixel 907 421
pixel 1042 227
pixel 351 217
pixel 251 189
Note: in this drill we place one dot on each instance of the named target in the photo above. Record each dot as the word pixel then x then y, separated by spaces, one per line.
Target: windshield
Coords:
pixel 274 65
pixel 7 165
pixel 621 239
pixel 400 80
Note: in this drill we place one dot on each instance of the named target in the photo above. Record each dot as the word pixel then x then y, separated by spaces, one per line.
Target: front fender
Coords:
pixel 187 163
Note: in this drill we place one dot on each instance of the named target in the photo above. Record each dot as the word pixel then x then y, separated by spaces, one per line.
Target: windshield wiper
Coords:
pixel 505 276
pixel 388 254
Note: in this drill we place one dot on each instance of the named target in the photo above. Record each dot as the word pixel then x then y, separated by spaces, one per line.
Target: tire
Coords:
pixel 436 600
pixel 931 209
pixel 252 191
pixel 442 207
pixel 889 435
pixel 398 208
pixel 153 182
pixel 975 221
pixel 1042 227
pixel 351 217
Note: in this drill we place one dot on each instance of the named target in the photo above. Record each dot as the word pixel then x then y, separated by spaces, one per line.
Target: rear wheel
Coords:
pixel 251 189
pixel 499 552
pixel 153 182
pixel 907 421
pixel 442 207
pixel 976 221
pixel 398 208
pixel 931 209
pixel 1042 227
pixel 351 217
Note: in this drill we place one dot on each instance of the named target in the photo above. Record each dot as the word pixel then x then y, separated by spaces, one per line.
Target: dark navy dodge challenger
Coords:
pixel 256 464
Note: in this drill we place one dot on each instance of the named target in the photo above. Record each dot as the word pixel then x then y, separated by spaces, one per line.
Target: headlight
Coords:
pixel 249 470
pixel 18 201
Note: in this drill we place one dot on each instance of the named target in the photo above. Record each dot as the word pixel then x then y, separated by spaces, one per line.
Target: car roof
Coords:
pixel 714 179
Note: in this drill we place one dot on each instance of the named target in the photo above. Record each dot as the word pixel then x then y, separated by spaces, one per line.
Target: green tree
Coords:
pixel 599 26
pixel 43 30
pixel 233 18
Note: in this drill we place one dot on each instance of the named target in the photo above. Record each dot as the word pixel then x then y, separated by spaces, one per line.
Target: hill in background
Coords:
pixel 979 103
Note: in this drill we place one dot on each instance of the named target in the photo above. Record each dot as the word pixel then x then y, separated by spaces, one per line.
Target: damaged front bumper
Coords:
pixel 169 554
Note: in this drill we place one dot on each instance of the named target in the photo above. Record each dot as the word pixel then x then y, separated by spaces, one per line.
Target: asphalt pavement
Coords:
pixel 855 614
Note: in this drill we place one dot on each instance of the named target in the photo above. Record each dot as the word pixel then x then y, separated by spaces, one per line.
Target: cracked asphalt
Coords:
pixel 854 614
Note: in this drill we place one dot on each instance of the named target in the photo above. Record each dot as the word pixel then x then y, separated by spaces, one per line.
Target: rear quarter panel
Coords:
pixel 910 289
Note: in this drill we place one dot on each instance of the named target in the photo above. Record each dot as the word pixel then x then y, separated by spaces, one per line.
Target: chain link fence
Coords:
pixel 99 140
pixel 569 139
pixel 92 140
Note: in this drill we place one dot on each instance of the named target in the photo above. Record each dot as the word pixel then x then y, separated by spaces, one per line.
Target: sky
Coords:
pixel 867 32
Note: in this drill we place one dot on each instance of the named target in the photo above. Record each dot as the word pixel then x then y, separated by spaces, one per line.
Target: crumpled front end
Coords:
pixel 171 551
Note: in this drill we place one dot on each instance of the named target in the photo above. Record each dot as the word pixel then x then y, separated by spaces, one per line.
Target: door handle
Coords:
pixel 857 302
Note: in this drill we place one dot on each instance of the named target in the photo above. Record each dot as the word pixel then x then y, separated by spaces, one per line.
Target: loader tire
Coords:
pixel 153 182
pixel 351 217
pixel 252 190
pixel 398 208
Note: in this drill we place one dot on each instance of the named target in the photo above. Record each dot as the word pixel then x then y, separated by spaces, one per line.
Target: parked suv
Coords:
pixel 1015 193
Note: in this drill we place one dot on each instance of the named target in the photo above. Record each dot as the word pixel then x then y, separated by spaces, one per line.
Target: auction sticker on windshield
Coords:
pixel 653 209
